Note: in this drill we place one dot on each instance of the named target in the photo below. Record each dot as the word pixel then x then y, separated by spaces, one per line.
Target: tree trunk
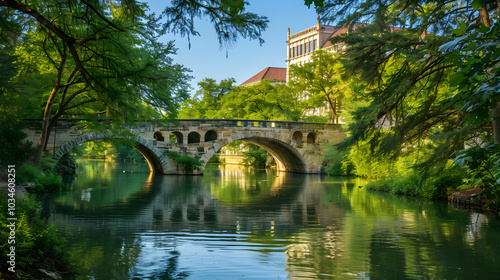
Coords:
pixel 44 135
pixel 52 123
pixel 496 123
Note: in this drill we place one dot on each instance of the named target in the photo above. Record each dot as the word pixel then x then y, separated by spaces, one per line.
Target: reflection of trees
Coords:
pixel 91 190
pixel 387 237
pixel 324 227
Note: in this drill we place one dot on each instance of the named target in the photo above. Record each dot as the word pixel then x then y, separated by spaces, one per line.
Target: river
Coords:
pixel 123 222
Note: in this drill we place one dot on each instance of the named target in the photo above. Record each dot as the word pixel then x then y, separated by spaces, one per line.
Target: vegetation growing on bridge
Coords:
pixel 189 164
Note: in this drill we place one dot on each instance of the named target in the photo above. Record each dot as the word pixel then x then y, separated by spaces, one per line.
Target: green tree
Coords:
pixel 255 157
pixel 207 102
pixel 430 67
pixel 263 101
pixel 94 53
pixel 108 53
pixel 320 83
pixel 403 77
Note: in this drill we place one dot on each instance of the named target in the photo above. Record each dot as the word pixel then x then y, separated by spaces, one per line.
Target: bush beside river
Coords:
pixel 35 250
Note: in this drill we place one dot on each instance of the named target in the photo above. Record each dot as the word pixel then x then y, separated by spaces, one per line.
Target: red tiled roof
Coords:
pixel 342 30
pixel 269 73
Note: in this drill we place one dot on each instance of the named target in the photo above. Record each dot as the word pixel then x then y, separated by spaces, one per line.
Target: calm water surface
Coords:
pixel 237 223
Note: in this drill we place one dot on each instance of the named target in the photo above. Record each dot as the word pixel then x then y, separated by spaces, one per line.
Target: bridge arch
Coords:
pixel 286 155
pixel 143 146
pixel 159 136
pixel 283 153
pixel 194 137
pixel 311 138
pixel 210 135
pixel 297 136
pixel 179 137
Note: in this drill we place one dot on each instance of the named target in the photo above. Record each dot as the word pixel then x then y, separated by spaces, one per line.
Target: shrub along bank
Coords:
pixel 50 176
pixel 31 249
pixel 477 169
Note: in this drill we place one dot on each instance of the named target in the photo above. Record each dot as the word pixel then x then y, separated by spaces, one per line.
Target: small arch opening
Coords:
pixel 176 137
pixel 210 135
pixel 311 138
pixel 194 137
pixel 158 136
pixel 297 136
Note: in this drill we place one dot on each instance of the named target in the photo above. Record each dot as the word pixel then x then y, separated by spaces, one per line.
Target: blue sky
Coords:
pixel 246 58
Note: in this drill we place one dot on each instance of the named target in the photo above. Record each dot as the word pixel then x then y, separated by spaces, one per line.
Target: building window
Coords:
pixel 306 47
pixel 314 45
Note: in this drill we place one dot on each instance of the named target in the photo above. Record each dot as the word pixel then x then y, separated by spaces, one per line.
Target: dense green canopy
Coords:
pixel 99 58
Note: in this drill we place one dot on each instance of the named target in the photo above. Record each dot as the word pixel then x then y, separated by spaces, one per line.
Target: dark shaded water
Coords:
pixel 236 223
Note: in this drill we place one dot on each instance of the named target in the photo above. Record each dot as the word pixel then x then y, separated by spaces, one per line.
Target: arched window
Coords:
pixel 176 137
pixel 311 138
pixel 194 137
pixel 159 136
pixel 297 136
pixel 210 135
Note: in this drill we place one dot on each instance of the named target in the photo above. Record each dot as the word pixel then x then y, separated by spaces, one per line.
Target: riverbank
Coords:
pixel 20 190
pixel 32 249
pixel 469 200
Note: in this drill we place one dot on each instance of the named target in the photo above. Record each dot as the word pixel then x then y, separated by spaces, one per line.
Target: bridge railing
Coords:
pixel 222 123
pixel 238 123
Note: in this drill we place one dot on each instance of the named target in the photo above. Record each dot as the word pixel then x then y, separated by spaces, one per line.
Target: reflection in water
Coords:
pixel 237 223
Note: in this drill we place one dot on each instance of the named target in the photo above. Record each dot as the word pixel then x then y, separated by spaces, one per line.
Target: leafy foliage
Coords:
pixel 189 164
pixel 320 83
pixel 425 77
pixel 66 166
pixel 338 163
pixel 410 183
pixel 256 158
pixel 262 101
pixel 228 17
pixel 12 149
pixel 208 100
pixel 38 244
pixel 483 165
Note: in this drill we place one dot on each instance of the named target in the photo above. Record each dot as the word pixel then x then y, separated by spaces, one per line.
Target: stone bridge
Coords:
pixel 295 146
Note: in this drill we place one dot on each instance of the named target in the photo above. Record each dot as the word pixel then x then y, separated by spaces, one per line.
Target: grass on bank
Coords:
pixel 410 183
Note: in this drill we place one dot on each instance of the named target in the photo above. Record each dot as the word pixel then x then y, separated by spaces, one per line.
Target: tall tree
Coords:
pixel 262 101
pixel 320 82
pixel 406 75
pixel 107 52
pixel 207 102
